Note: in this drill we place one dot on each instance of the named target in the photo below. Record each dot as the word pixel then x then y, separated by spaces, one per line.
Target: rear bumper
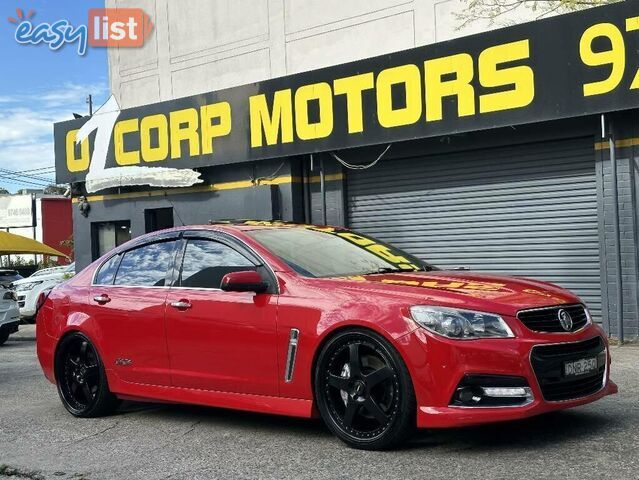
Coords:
pixel 438 365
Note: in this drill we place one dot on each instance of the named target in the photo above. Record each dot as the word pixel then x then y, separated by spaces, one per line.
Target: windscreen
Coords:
pixel 319 252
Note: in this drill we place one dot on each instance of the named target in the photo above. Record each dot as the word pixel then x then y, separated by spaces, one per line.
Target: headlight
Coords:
pixel 26 286
pixel 10 295
pixel 460 324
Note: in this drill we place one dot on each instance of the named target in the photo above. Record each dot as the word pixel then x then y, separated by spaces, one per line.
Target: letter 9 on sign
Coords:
pixel 615 56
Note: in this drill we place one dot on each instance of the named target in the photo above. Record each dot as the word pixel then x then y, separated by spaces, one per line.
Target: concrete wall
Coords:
pixel 204 45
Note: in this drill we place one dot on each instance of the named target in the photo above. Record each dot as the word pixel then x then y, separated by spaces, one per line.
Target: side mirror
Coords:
pixel 244 281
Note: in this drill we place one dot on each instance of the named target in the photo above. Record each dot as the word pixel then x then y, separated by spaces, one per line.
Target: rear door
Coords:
pixel 223 341
pixel 129 302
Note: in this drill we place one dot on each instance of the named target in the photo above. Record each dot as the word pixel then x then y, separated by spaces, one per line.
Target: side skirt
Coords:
pixel 293 407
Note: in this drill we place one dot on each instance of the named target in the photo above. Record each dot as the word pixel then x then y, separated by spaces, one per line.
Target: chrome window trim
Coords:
pixel 604 383
pixel 568 305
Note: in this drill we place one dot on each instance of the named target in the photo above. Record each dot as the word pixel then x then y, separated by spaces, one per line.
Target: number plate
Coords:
pixel 583 366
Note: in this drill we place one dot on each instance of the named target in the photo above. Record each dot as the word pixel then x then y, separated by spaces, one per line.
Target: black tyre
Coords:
pixel 82 383
pixel 3 338
pixel 364 392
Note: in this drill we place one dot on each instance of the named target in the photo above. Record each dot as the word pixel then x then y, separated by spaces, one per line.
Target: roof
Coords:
pixel 248 225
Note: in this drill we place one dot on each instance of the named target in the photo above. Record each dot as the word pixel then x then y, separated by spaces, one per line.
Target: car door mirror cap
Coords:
pixel 244 281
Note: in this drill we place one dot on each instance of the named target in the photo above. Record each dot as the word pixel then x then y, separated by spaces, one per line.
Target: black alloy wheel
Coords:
pixel 364 391
pixel 82 383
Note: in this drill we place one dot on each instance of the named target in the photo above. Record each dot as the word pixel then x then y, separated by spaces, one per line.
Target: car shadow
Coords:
pixel 226 417
pixel 547 429
pixel 542 430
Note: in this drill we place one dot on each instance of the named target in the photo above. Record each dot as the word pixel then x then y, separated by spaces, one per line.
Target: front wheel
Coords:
pixel 82 383
pixel 364 391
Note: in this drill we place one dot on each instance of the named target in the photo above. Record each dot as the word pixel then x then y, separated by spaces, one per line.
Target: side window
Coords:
pixel 146 266
pixel 106 274
pixel 206 262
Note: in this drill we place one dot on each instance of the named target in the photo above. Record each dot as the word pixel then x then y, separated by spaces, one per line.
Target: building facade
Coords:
pixel 547 191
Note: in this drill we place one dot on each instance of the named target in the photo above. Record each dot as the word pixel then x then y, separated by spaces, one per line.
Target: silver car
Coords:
pixel 9 314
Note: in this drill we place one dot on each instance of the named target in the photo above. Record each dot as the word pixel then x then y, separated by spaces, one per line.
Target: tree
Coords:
pixel 4 191
pixel 55 190
pixel 494 11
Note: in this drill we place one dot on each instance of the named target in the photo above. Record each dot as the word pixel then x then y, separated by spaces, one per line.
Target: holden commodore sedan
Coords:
pixel 312 321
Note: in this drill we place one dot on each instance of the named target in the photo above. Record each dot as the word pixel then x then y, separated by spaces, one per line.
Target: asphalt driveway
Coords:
pixel 41 440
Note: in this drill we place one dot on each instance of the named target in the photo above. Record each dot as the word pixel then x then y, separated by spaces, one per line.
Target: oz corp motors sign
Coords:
pixel 571 65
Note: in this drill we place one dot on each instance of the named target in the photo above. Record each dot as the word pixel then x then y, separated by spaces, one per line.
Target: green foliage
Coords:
pixel 18 262
pixel 55 190
pixel 502 12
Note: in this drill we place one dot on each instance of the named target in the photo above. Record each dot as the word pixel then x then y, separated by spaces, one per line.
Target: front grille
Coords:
pixel 547 319
pixel 548 364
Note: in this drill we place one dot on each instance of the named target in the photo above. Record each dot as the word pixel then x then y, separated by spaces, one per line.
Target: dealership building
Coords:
pixel 509 151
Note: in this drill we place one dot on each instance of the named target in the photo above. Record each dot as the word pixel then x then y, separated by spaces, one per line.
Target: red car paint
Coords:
pixel 228 349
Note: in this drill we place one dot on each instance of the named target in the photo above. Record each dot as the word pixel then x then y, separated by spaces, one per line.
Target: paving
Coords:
pixel 40 440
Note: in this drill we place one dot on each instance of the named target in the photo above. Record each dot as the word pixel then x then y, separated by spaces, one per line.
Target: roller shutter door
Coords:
pixel 527 210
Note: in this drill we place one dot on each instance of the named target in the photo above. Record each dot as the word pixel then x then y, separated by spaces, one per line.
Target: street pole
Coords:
pixel 90 103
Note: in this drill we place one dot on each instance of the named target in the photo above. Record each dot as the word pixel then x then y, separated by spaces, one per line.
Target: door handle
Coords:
pixel 102 299
pixel 181 305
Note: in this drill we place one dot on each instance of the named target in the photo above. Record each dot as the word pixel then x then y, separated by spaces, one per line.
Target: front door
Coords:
pixel 128 300
pixel 223 341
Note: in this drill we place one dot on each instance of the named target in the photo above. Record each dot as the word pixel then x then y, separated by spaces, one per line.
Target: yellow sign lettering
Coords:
pixel 461 65
pixel 275 124
pixel 122 128
pixel 410 77
pixel 520 77
pixel 353 87
pixel 75 163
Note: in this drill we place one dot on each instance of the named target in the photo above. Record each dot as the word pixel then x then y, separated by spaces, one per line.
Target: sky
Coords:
pixel 39 86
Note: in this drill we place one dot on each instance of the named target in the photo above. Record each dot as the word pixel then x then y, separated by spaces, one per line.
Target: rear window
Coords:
pixel 146 266
pixel 106 274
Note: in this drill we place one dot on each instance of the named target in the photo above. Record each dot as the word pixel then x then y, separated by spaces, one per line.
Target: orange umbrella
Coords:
pixel 11 244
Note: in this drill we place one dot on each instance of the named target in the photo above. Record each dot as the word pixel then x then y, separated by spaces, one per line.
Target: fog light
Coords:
pixel 507 392
pixel 492 391
pixel 469 395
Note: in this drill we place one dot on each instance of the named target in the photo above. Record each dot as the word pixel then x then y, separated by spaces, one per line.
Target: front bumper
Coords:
pixel 438 365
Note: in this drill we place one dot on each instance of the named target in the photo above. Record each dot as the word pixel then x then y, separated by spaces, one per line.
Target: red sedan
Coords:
pixel 303 320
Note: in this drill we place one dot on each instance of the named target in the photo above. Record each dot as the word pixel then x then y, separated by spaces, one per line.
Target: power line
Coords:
pixel 18 174
pixel 18 181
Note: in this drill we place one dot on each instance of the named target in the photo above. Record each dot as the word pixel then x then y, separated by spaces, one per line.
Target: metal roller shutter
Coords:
pixel 527 210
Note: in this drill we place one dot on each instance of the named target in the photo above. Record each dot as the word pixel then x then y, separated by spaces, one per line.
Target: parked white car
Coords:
pixel 28 289
pixel 9 314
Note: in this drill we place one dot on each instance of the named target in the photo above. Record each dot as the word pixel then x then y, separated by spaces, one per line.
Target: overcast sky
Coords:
pixel 39 87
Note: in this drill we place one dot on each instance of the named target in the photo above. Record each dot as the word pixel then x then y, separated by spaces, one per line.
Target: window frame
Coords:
pixel 261 266
pixel 134 245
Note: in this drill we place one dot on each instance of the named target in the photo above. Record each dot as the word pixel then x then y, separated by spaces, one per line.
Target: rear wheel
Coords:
pixel 364 391
pixel 82 383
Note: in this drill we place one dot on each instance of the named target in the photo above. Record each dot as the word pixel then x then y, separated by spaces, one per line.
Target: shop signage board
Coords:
pixel 16 211
pixel 566 66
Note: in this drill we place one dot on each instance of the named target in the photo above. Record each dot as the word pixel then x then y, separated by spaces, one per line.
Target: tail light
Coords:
pixel 41 299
